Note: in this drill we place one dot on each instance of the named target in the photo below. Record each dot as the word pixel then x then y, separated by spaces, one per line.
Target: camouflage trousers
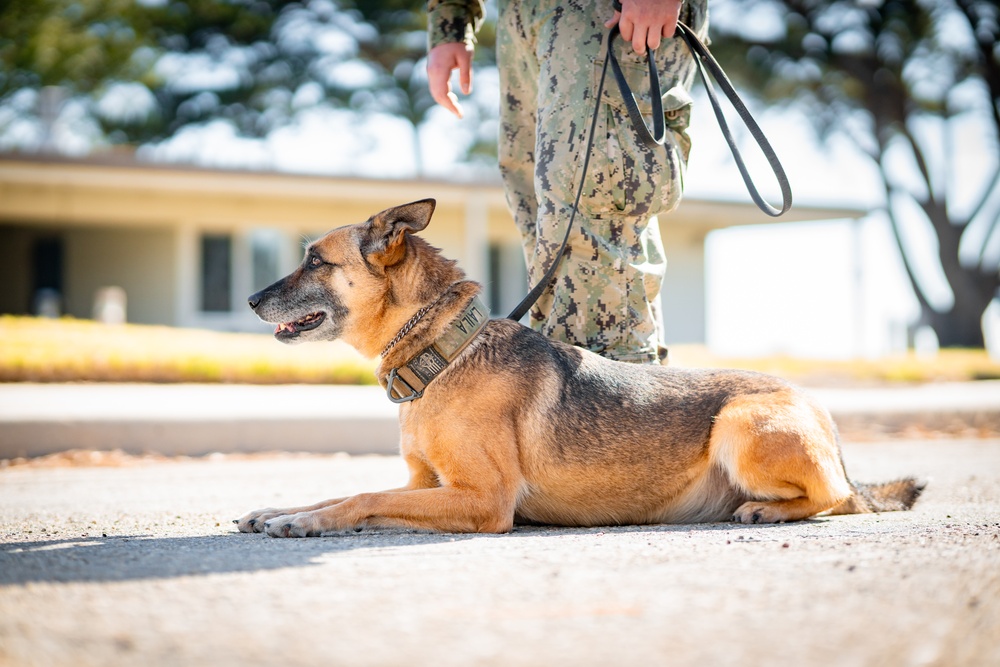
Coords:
pixel 606 295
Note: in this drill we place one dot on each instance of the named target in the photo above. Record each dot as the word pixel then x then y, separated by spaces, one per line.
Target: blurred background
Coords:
pixel 161 160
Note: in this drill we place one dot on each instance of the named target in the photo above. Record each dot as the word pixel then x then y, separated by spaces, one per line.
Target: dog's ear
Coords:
pixel 386 242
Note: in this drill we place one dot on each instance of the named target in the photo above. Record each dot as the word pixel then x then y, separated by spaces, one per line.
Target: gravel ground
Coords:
pixel 139 565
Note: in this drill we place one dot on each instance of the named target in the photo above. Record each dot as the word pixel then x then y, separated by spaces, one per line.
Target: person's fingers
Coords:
pixel 670 20
pixel 645 23
pixel 638 39
pixel 441 61
pixel 439 84
pixel 668 31
pixel 626 27
pixel 442 95
pixel 613 21
pixel 465 72
pixel 653 38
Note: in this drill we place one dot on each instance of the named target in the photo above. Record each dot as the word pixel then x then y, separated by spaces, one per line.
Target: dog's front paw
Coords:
pixel 293 525
pixel 254 521
pixel 758 512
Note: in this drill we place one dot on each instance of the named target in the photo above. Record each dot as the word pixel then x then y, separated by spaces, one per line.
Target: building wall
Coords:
pixel 138 260
pixel 683 291
pixel 141 228
pixel 159 268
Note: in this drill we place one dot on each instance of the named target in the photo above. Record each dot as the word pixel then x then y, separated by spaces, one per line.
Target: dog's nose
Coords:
pixel 255 299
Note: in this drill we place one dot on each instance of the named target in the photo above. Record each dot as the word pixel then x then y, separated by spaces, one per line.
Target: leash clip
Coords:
pixel 391 381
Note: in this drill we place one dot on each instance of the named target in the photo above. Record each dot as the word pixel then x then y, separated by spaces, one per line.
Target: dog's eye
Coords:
pixel 315 262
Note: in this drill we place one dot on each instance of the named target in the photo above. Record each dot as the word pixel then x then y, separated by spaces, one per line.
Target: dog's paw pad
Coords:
pixel 296 525
pixel 254 521
pixel 756 513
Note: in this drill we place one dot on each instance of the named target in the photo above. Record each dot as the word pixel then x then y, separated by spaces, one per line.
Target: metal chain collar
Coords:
pixel 412 322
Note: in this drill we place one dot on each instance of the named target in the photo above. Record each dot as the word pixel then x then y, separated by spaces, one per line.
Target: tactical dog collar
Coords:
pixel 408 382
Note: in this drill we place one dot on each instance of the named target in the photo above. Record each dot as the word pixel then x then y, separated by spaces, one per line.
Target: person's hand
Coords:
pixel 441 60
pixel 645 22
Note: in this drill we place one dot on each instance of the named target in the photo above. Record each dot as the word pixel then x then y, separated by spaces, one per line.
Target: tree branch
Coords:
pixel 996 219
pixel 897 234
pixel 925 173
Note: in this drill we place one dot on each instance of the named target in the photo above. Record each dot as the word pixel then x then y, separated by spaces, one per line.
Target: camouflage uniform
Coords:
pixel 550 54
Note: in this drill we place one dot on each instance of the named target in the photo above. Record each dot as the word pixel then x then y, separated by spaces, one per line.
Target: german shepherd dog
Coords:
pixel 518 428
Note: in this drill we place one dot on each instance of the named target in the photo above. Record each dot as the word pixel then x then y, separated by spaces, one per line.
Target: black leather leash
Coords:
pixel 703 57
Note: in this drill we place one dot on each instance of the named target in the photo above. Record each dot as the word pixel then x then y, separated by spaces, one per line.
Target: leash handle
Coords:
pixel 659 133
pixel 703 57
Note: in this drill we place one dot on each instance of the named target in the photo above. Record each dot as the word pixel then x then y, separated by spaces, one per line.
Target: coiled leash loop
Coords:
pixel 703 57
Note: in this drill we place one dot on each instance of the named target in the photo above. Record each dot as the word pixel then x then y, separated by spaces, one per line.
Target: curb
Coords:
pixel 192 420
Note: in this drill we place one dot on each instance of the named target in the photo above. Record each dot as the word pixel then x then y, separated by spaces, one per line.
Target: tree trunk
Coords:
pixel 961 326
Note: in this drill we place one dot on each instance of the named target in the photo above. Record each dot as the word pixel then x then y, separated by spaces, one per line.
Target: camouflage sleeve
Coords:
pixel 453 21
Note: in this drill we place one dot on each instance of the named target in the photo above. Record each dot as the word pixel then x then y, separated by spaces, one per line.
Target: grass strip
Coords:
pixel 69 350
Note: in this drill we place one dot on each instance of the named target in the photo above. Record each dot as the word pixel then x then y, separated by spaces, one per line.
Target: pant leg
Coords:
pixel 606 293
pixel 518 68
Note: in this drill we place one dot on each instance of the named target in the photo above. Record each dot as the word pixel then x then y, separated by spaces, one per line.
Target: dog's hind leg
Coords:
pixel 780 449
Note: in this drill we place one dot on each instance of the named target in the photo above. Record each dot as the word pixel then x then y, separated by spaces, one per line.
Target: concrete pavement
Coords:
pixel 38 419
pixel 139 565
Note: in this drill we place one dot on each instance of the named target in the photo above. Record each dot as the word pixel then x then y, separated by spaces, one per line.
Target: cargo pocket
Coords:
pixel 642 181
pixel 677 115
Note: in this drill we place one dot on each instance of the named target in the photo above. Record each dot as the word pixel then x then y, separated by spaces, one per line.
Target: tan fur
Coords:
pixel 520 428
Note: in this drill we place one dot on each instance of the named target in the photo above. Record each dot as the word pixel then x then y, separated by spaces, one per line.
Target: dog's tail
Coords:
pixel 888 497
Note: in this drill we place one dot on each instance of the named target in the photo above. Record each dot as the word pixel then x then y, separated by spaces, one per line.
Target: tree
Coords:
pixel 143 70
pixel 898 77
pixel 88 48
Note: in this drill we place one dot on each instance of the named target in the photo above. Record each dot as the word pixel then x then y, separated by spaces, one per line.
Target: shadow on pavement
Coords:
pixel 137 557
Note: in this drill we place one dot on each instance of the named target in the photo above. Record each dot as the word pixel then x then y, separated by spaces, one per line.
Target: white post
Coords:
pixel 476 237
pixel 186 275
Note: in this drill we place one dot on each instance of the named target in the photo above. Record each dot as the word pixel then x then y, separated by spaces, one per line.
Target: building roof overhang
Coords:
pixel 59 188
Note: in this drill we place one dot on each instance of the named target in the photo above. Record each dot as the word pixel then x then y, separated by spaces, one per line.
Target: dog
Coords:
pixel 502 426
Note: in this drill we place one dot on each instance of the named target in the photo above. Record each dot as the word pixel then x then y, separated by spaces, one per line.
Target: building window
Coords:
pixel 47 266
pixel 265 247
pixel 216 273
pixel 508 277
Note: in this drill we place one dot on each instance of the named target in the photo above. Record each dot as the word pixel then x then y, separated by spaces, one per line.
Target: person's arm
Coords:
pixel 451 37
pixel 645 22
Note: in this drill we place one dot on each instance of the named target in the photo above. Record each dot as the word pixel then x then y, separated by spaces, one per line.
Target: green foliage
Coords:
pixel 79 45
pixel 253 63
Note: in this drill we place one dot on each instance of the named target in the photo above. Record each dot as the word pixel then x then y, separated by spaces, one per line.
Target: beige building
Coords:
pixel 188 245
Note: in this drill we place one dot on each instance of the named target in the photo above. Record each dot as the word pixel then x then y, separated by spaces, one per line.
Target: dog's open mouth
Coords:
pixel 292 329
